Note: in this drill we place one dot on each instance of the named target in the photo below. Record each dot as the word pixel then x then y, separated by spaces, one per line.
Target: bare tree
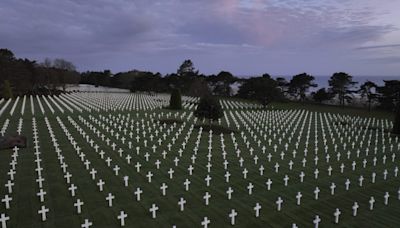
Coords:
pixel 64 65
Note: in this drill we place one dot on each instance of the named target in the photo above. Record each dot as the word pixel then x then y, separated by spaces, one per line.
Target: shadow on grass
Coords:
pixel 170 121
pixel 215 128
pixel 167 107
pixel 361 126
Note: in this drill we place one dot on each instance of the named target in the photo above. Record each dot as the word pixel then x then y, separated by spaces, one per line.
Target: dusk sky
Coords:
pixel 245 37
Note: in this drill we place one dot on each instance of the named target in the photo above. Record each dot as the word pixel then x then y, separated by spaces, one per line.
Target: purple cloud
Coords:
pixel 245 37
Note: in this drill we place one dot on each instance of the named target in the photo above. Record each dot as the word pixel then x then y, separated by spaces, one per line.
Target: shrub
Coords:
pixel 176 100
pixel 209 108
pixel 396 124
pixel 7 91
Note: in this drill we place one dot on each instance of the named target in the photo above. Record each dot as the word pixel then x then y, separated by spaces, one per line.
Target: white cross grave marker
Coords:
pixel 205 222
pixel 181 203
pixel 371 203
pixel 355 208
pixel 386 197
pixel 6 200
pixel 153 211
pixel 78 205
pixel 257 208
pixel 279 203
pixel 298 197
pixel 110 198
pixel 316 221
pixel 87 224
pixel 3 220
pixel 43 212
pixel 207 197
pixel 122 216
pixel 337 214
pixel 233 215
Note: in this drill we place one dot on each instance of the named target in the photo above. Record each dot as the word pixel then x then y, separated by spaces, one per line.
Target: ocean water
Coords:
pixel 322 81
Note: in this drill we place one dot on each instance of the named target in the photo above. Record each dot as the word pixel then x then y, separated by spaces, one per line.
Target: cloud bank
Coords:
pixel 244 37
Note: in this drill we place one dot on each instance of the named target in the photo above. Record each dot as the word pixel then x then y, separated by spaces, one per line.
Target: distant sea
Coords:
pixel 322 81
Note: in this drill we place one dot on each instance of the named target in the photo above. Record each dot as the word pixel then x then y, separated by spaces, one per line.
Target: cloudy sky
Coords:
pixel 246 37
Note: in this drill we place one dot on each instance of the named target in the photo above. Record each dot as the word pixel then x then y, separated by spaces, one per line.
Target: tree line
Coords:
pixel 263 88
pixel 23 76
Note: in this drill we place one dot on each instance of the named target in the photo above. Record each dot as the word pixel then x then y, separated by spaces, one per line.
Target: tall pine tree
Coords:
pixel 396 124
pixel 176 100
pixel 209 108
pixel 7 91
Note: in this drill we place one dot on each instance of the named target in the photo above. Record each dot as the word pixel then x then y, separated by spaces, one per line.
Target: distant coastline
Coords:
pixel 322 81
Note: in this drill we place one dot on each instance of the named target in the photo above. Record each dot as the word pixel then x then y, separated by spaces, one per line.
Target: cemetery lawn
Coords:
pixel 354 111
pixel 63 136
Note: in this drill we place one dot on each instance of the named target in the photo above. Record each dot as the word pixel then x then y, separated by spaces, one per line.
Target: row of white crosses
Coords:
pixel 231 104
pixel 162 188
pixel 6 200
pixel 124 137
pixel 354 208
pixel 128 158
pixel 316 172
pixel 118 101
pixel 78 204
pixel 100 183
pixel 232 215
pixel 384 177
pixel 364 162
pixel 64 166
pixel 210 175
pixel 13 108
pixel 301 132
pixel 5 105
pixel 4 127
pixel 206 194
pixel 154 147
pixel 92 101
pixel 207 197
pixel 41 194
pixel 384 173
pixel 40 180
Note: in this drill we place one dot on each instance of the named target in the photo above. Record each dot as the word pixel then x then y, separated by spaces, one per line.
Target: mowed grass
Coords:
pixel 347 110
pixel 282 122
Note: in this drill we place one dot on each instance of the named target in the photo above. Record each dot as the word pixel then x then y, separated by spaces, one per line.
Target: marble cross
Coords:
pixel 122 216
pixel 43 210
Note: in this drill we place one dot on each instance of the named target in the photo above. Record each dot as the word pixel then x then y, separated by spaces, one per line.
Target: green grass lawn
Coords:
pixel 347 110
pixel 300 123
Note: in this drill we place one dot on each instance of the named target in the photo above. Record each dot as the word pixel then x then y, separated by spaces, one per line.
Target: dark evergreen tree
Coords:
pixel 176 100
pixel 262 89
pixel 396 124
pixel 221 83
pixel 209 108
pixel 367 91
pixel 300 84
pixel 321 95
pixel 283 85
pixel 6 54
pixel 389 95
pixel 198 88
pixel 7 91
pixel 187 69
pixel 341 84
